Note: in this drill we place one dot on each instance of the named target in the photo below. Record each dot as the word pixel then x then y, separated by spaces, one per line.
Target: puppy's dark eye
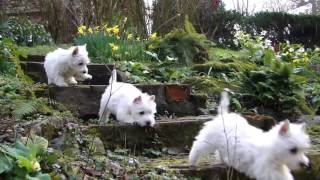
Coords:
pixel 141 113
pixel 293 150
pixel 80 64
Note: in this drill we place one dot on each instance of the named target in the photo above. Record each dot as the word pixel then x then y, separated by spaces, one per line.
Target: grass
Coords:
pixel 42 49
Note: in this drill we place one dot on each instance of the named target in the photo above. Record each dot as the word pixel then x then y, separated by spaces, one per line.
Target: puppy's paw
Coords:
pixel 87 76
pixel 73 82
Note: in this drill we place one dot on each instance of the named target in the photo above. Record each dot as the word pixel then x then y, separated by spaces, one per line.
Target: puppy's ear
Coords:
pixel 137 100
pixel 152 97
pixel 75 51
pixel 284 129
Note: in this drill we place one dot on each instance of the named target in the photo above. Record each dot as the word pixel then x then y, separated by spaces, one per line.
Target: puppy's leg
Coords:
pixel 199 148
pixel 106 117
pixel 60 81
pixel 72 81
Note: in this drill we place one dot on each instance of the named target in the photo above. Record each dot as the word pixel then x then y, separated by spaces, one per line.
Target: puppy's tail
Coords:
pixel 224 103
pixel 113 77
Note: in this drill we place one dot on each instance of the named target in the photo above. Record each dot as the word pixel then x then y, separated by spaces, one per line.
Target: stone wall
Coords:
pixel 30 8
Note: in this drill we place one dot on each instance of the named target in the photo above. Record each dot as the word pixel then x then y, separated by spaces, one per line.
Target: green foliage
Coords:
pixel 274 88
pixel 23 161
pixel 186 45
pixel 18 99
pixel 9 58
pixel 24 32
pixel 162 71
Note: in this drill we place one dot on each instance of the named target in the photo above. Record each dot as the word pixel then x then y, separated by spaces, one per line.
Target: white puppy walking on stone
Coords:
pixel 65 67
pixel 127 103
pixel 261 155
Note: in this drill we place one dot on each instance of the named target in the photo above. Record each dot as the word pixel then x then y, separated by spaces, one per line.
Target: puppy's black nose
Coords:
pixel 84 72
pixel 148 123
pixel 306 166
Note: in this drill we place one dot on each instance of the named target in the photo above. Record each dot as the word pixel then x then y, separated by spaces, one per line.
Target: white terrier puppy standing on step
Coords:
pixel 260 155
pixel 127 103
pixel 67 66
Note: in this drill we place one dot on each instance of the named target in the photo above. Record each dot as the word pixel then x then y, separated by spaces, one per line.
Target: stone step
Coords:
pixel 100 73
pixel 220 171
pixel 33 57
pixel 170 98
pixel 176 134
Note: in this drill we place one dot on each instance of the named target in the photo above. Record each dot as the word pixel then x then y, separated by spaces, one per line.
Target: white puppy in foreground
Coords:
pixel 260 155
pixel 65 67
pixel 127 103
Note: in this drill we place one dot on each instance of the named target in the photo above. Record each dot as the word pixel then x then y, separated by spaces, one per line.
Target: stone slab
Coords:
pixel 175 133
pixel 85 99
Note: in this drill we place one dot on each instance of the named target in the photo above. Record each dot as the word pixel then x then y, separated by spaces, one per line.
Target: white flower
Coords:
pixel 236 27
pixel 300 50
pixel 291 49
pixel 263 33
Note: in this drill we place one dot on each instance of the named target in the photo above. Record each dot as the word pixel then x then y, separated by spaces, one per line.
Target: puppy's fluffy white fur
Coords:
pixel 127 103
pixel 261 155
pixel 65 67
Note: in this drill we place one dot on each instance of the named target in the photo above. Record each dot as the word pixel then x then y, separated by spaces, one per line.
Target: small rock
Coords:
pixel 98 146
pixel 133 162
pixel 115 168
pixel 161 169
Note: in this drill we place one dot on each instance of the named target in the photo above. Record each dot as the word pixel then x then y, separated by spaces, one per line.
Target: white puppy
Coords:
pixel 67 66
pixel 127 103
pixel 261 155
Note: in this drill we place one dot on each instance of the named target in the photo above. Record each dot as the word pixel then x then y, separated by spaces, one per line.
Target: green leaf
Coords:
pixel 35 140
pixel 39 176
pixel 25 163
pixel 6 163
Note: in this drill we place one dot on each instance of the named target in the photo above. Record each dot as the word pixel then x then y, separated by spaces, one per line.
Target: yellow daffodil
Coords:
pixel 97 28
pixel 81 29
pixel 138 38
pixel 108 30
pixel 129 36
pixel 115 30
pixel 153 36
pixel 113 47
pixel 90 30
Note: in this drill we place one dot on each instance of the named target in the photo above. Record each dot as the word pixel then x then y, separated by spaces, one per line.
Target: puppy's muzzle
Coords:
pixel 307 166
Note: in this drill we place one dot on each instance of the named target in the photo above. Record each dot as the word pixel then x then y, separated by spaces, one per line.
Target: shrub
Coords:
pixel 24 32
pixel 9 58
pixel 275 89
pixel 186 45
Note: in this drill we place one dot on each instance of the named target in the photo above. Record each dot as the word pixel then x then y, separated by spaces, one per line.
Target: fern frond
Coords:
pixel 26 108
